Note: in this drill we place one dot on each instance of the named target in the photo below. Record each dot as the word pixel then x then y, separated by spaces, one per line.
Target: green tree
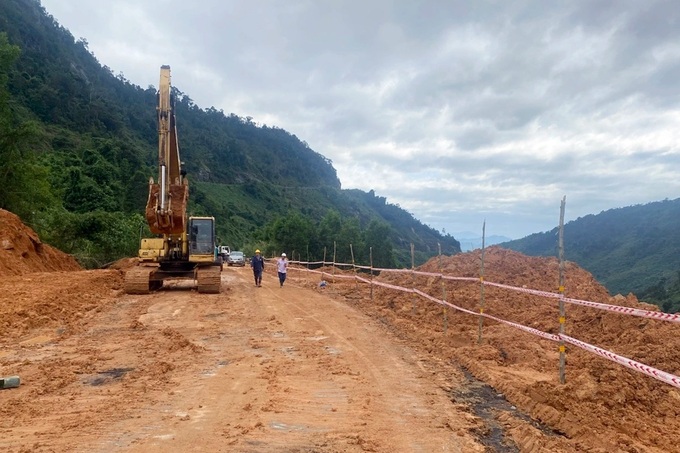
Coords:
pixel 328 231
pixel 94 238
pixel 291 233
pixel 22 178
pixel 350 233
pixel 377 236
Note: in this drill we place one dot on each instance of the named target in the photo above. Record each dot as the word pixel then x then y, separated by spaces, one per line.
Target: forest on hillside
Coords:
pixel 635 249
pixel 78 145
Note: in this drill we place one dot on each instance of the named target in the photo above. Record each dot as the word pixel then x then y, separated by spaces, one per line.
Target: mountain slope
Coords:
pixel 97 140
pixel 631 249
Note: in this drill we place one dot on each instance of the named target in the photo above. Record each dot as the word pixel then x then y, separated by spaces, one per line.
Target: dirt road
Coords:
pixel 295 369
pixel 265 369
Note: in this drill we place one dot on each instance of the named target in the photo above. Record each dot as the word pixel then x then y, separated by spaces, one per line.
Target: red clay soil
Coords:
pixel 603 406
pixel 60 325
pixel 22 252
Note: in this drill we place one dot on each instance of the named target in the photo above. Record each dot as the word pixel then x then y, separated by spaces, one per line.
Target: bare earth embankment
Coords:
pixel 304 370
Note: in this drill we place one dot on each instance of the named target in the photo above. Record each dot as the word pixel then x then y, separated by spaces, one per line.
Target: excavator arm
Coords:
pixel 167 203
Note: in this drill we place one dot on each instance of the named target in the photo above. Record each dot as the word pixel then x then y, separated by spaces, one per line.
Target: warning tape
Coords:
pixel 399 271
pixel 627 310
pixel 387 285
pixel 660 375
pixel 659 315
pixel 629 363
pixel 531 330
pixel 535 292
pixel 586 303
pixel 330 275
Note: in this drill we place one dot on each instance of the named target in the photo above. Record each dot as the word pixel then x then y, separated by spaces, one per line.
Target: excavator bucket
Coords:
pixel 173 221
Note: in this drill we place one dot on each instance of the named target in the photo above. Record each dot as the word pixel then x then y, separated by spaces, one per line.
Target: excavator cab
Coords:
pixel 201 239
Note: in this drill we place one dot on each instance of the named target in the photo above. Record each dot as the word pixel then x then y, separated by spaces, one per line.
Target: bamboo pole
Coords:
pixel 356 281
pixel 413 279
pixel 323 266
pixel 445 309
pixel 561 290
pixel 481 289
pixel 334 250
pixel 370 257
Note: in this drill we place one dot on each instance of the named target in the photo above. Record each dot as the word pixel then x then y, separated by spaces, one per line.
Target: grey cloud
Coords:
pixel 453 109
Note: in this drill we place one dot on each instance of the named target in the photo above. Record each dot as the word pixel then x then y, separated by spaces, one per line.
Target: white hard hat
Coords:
pixel 283 254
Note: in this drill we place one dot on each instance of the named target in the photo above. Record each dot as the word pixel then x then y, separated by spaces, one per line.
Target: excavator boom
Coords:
pixel 167 203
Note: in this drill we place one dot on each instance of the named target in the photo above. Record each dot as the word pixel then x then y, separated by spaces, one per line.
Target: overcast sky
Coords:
pixel 459 111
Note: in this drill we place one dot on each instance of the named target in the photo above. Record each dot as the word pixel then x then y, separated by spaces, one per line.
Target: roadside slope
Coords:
pixel 22 252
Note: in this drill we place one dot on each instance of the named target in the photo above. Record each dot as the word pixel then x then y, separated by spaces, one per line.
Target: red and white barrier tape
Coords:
pixel 586 303
pixel 387 285
pixel 629 363
pixel 660 375
pixel 627 310
pixel 530 330
pixel 399 271
pixel 535 292
pixel 659 315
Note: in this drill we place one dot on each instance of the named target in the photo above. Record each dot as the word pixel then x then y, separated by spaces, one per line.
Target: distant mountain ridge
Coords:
pixel 472 241
pixel 635 249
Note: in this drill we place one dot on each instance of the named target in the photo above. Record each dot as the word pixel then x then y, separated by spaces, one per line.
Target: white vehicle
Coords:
pixel 236 259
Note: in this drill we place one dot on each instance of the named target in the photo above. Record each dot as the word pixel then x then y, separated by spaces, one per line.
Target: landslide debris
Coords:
pixel 602 407
pixel 22 251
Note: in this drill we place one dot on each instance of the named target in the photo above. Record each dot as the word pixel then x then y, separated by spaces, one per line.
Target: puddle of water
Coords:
pixel 485 402
pixel 104 377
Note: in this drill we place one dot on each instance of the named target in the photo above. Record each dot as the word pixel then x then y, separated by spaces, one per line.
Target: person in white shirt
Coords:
pixel 282 267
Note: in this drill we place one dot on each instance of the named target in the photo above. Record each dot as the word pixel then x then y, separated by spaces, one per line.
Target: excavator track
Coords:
pixel 208 279
pixel 138 280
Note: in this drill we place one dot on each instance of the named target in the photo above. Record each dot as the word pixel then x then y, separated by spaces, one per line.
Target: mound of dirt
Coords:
pixel 54 300
pixel 123 264
pixel 22 252
pixel 602 407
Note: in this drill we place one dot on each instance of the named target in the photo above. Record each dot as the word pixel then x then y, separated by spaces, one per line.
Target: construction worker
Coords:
pixel 257 263
pixel 282 268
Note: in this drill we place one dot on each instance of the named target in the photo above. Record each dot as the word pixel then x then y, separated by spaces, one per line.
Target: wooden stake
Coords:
pixel 445 309
pixel 370 257
pixel 413 278
pixel 562 319
pixel 481 289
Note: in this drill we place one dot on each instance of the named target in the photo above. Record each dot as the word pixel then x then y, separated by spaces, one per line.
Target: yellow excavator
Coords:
pixel 183 248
